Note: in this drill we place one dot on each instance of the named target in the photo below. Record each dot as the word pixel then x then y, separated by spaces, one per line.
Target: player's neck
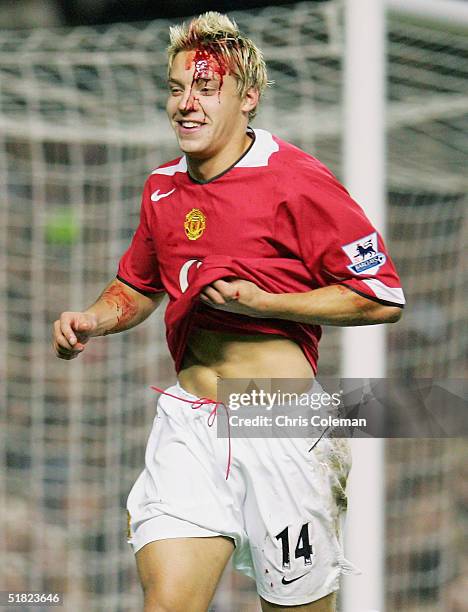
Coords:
pixel 206 169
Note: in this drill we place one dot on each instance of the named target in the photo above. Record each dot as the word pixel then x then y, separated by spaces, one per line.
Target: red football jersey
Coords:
pixel 277 208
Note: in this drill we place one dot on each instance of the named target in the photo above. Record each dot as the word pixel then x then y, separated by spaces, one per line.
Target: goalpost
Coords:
pixel 363 348
pixel 81 124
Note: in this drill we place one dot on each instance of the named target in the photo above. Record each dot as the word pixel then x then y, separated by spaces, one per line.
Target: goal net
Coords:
pixel 81 125
pixel 427 195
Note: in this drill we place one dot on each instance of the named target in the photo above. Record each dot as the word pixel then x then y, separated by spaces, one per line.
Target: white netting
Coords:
pixel 81 124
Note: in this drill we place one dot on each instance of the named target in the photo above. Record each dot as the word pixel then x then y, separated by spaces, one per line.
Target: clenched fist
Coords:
pixel 71 332
pixel 238 296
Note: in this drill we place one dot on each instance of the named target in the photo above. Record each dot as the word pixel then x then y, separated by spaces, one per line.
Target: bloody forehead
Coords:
pixel 207 63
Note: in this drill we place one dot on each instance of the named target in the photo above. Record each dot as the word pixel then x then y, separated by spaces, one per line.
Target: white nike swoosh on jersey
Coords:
pixel 157 196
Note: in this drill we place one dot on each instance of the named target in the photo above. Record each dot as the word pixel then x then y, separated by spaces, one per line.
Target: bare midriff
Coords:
pixel 213 355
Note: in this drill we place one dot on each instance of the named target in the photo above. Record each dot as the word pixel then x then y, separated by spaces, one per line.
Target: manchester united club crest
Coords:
pixel 195 224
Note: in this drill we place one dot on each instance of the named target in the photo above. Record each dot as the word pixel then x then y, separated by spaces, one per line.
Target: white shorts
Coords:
pixel 282 505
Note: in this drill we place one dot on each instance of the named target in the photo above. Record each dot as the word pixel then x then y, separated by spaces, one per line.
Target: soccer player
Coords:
pixel 256 244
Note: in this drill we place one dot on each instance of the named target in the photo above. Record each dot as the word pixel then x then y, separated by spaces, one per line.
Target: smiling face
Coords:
pixel 204 107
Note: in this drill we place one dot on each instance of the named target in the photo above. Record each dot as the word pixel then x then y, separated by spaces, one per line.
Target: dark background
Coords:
pixel 76 12
pixel 19 14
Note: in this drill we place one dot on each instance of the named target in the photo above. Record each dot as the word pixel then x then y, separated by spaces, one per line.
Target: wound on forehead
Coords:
pixel 208 64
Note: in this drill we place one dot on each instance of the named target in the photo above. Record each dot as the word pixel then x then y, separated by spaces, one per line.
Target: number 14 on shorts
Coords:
pixel 303 546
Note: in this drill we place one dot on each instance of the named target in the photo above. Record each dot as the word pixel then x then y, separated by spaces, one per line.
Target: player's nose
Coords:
pixel 187 101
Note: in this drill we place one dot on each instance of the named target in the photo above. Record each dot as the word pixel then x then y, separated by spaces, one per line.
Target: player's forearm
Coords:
pixel 333 305
pixel 120 307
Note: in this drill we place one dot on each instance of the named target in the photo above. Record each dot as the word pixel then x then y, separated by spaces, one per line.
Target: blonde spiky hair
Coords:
pixel 222 36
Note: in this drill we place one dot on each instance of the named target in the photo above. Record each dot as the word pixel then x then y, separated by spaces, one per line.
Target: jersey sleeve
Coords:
pixel 138 266
pixel 340 245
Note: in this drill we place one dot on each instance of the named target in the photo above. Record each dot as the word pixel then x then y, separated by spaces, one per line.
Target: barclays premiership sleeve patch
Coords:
pixel 364 255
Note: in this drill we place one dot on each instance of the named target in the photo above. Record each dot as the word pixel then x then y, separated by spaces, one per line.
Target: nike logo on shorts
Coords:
pixel 284 581
pixel 157 196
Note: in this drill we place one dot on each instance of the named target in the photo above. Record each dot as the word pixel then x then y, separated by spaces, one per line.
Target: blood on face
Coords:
pixel 208 65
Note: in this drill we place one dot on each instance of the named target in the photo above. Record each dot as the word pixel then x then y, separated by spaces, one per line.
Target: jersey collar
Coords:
pixel 257 155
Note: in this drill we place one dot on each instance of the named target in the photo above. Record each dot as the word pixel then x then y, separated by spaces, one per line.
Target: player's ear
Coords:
pixel 250 100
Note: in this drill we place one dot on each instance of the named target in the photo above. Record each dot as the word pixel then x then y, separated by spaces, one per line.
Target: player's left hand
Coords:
pixel 238 296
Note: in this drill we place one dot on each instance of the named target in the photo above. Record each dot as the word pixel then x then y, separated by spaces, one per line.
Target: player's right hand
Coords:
pixel 71 332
